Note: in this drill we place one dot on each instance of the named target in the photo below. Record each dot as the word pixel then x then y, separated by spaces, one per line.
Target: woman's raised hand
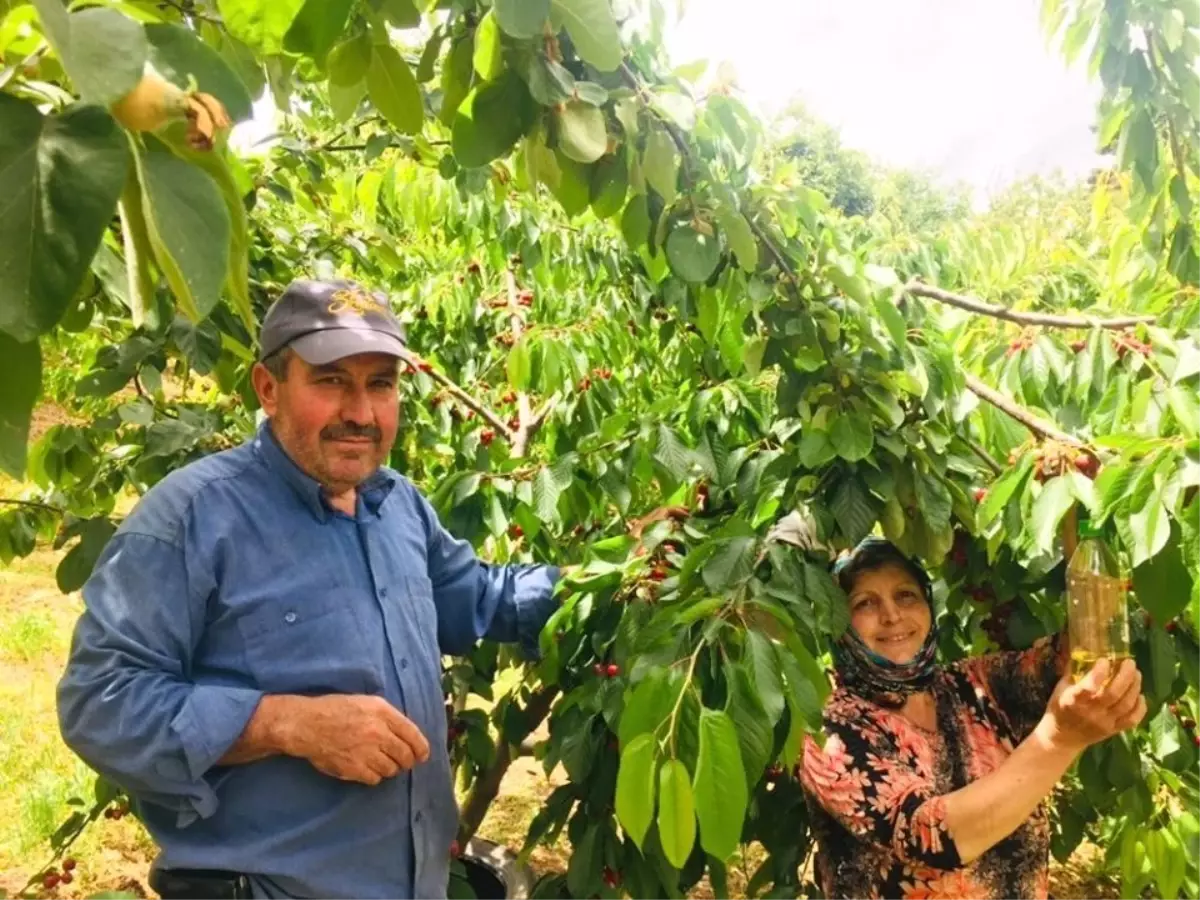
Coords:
pixel 1099 705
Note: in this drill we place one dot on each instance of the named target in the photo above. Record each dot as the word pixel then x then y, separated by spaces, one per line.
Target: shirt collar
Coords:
pixel 372 492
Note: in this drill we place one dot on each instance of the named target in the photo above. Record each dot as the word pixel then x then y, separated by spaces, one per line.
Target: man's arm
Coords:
pixel 474 599
pixel 125 702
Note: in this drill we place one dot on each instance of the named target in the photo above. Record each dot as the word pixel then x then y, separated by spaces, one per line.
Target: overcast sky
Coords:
pixel 966 88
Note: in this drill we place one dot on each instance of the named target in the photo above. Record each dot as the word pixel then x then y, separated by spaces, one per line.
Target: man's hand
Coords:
pixel 349 736
pixel 1100 705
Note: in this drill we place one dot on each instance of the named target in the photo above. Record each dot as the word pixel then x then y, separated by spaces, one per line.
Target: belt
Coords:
pixel 197 884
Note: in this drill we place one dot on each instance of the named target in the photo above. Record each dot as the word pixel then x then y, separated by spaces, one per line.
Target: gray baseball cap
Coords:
pixel 328 320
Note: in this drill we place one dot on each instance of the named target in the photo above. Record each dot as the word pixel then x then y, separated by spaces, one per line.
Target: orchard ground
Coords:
pixel 38 774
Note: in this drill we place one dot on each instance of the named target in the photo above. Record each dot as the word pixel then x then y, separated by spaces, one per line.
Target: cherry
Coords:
pixel 1188 724
pixel 425 367
pixel 50 880
pixel 1170 627
pixel 455 850
pixel 980 494
pixel 66 878
pixel 611 879
pixel 585 384
pixel 658 574
pixel 612 670
pixel 486 436
pixel 68 864
pixel 514 424
pixel 473 267
pixel 516 531
pixel 1078 345
pixel 509 397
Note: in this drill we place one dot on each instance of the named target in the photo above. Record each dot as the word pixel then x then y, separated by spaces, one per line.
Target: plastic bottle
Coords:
pixel 1097 616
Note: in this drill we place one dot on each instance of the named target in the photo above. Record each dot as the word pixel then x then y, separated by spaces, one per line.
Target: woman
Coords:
pixel 932 779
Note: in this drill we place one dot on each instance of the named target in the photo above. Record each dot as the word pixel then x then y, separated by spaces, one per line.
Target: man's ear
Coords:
pixel 267 388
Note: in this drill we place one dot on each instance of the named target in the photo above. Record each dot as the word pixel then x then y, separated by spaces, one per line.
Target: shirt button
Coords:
pixel 290 618
pixel 418 816
pixel 383 592
pixel 404 663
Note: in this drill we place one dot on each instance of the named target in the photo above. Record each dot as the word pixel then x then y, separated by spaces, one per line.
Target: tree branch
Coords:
pixel 1040 427
pixel 528 422
pixel 31 504
pixel 487 785
pixel 415 360
pixel 1048 320
pixel 979 451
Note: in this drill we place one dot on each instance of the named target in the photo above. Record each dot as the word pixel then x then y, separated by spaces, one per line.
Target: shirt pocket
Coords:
pixel 310 644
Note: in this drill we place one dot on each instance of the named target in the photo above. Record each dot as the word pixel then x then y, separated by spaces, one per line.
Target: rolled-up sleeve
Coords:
pixel 474 599
pixel 126 705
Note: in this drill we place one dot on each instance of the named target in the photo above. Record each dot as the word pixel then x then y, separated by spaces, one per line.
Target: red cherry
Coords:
pixel 658 575
pixel 612 670
pixel 455 850
pixel 50 881
pixel 980 494
pixel 1170 627
pixel 1078 345
pixel 68 864
pixel 516 531
pixel 486 436
pixel 1188 724
pixel 1196 740
pixel 66 878
pixel 598 669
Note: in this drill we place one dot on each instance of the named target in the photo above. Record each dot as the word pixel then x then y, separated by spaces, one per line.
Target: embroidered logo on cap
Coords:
pixel 353 300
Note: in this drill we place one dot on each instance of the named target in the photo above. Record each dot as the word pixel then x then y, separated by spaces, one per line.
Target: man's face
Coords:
pixel 338 421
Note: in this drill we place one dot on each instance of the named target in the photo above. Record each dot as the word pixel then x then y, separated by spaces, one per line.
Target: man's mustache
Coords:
pixel 352 432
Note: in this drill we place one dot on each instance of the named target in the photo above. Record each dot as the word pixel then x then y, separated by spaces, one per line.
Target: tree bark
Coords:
pixel 1048 320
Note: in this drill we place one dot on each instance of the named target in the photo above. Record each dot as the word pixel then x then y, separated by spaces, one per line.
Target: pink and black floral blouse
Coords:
pixel 876 789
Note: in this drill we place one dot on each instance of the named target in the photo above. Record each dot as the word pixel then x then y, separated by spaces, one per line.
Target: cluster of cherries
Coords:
pixel 53 878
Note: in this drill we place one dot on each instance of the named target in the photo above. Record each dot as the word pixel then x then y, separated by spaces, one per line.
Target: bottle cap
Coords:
pixel 1088 529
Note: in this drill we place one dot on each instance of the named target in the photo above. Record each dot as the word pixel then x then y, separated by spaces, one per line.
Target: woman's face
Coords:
pixel 889 612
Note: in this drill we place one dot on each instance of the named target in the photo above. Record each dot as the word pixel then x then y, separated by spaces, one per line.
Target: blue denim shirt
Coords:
pixel 233 578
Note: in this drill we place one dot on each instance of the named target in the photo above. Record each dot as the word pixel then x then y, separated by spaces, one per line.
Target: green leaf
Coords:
pixel 1002 491
pixel 610 182
pixel 394 91
pixel 519 366
pixel 1163 583
pixel 491 120
pixel 740 237
pixel 933 499
pixel 583 871
pixel 77 565
pixel 457 73
pixel 692 255
pixel 636 787
pixel 177 54
pixel 648 705
pixel 261 24
pixel 893 320
pixel 764 668
pixel 550 83
pixel 853 509
pixel 755 734
pixel 1151 526
pixel 660 163
pixel 105 56
pixel 731 564
pixel 522 19
pixel 635 222
pixel 1165 732
pixel 489 54
pixel 548 485
pixel 676 813
pixel 317 27
pixel 852 436
pixel 671 453
pixel 593 31
pixel 401 13
pixel 1048 509
pixel 60 177
pixel 581 131
pixel 815 448
pixel 189 228
pixel 19 391
pixel 719 786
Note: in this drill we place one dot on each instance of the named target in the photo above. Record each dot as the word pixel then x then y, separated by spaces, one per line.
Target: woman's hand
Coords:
pixel 1100 705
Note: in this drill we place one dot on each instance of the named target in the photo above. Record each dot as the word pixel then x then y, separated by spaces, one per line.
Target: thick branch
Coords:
pixel 528 422
pixel 487 785
pixel 458 393
pixel 1049 320
pixel 1040 427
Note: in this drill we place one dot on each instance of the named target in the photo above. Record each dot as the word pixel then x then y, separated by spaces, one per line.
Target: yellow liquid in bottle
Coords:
pixel 1083 660
pixel 1096 616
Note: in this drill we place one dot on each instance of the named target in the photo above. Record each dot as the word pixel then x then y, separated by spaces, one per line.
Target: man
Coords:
pixel 259 661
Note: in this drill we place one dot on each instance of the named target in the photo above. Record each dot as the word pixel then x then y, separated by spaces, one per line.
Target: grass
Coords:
pixel 38 774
